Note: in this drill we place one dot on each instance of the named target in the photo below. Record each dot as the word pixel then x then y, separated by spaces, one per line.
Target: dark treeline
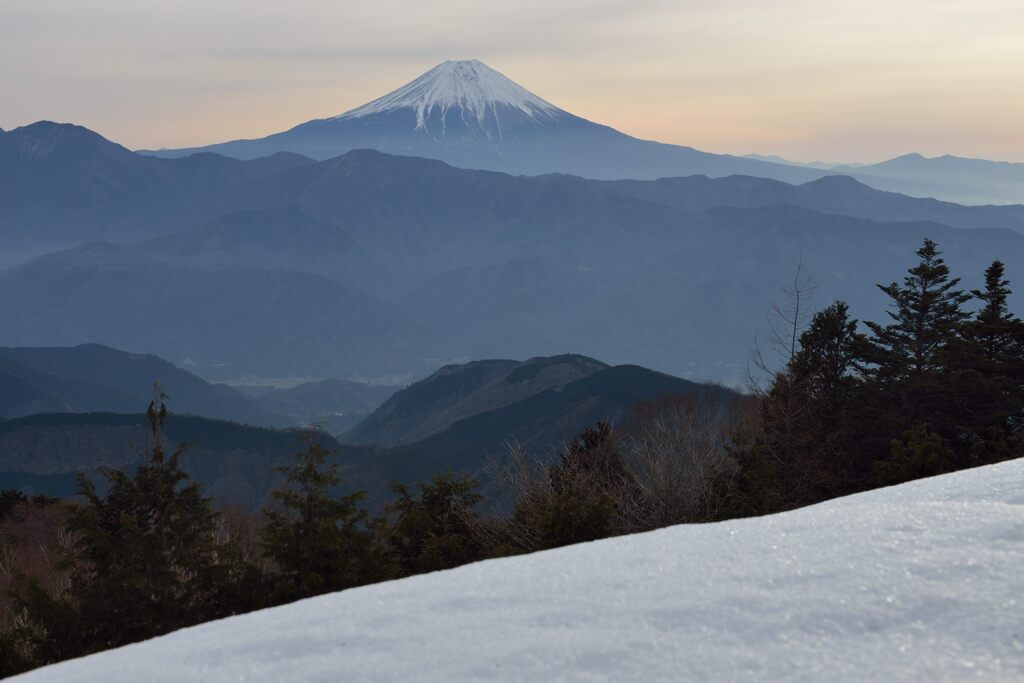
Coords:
pixel 934 389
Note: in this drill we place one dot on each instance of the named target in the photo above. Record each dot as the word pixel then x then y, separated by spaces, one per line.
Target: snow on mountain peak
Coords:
pixel 472 87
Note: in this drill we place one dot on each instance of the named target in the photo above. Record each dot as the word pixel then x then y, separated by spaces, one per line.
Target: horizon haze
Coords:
pixel 805 81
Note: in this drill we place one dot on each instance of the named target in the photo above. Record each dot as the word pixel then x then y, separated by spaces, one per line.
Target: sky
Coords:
pixel 805 79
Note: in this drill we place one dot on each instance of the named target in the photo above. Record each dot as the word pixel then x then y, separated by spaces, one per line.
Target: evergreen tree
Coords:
pixel 436 529
pixel 800 454
pixel 912 361
pixel 926 320
pixel 824 371
pixel 918 452
pixel 991 378
pixel 827 355
pixel 319 542
pixel 143 563
pixel 584 490
pixel 995 330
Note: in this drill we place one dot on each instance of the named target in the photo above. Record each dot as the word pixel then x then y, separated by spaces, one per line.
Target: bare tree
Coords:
pixel 677 449
pixel 785 322
pixel 784 406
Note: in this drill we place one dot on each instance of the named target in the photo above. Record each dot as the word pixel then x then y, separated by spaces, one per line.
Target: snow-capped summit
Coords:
pixel 468 89
pixel 469 115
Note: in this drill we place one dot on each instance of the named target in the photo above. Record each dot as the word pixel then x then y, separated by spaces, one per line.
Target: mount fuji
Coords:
pixel 469 115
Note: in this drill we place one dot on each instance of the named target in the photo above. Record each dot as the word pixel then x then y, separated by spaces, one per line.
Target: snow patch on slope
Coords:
pixel 919 582
pixel 469 86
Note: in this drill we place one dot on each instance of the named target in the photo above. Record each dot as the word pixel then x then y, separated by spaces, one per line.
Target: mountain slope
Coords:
pixel 969 181
pixel 469 115
pixel 235 319
pixel 910 583
pixel 62 185
pixel 24 392
pixel 456 392
pixel 835 194
pixel 540 422
pixel 95 378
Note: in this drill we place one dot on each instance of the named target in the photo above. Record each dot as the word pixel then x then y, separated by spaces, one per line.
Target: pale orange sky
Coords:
pixel 805 79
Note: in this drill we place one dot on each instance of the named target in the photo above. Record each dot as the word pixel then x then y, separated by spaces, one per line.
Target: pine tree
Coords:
pixel 991 377
pixel 800 454
pixel 824 371
pixel 995 331
pixel 927 318
pixel 319 542
pixel 911 362
pixel 436 529
pixel 918 452
pixel 144 562
pixel 827 354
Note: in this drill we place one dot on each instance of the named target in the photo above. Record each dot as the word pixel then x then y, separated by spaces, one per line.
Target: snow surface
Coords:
pixel 918 582
pixel 470 86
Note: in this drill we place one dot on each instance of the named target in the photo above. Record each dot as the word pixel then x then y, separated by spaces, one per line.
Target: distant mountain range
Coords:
pixel 970 181
pixel 469 115
pixel 95 378
pixel 458 419
pixel 373 266
pixel 63 185
pixel 92 378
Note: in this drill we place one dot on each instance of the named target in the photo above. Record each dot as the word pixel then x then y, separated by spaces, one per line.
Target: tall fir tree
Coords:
pixel 800 454
pixel 991 373
pixel 926 319
pixel 319 542
pixel 911 362
pixel 144 561
pixel 996 334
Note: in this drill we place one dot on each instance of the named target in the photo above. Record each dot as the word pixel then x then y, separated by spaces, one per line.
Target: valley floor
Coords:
pixel 915 582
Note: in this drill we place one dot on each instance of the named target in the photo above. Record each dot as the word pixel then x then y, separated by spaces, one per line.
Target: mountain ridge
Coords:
pixel 368 265
pixel 96 378
pixel 456 392
pixel 470 115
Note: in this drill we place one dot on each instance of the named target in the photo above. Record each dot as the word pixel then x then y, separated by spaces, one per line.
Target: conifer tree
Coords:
pixel 912 360
pixel 827 354
pixel 918 452
pixel 824 372
pixel 926 319
pixel 584 489
pixel 991 378
pixel 434 530
pixel 800 454
pixel 995 331
pixel 319 542
pixel 144 562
